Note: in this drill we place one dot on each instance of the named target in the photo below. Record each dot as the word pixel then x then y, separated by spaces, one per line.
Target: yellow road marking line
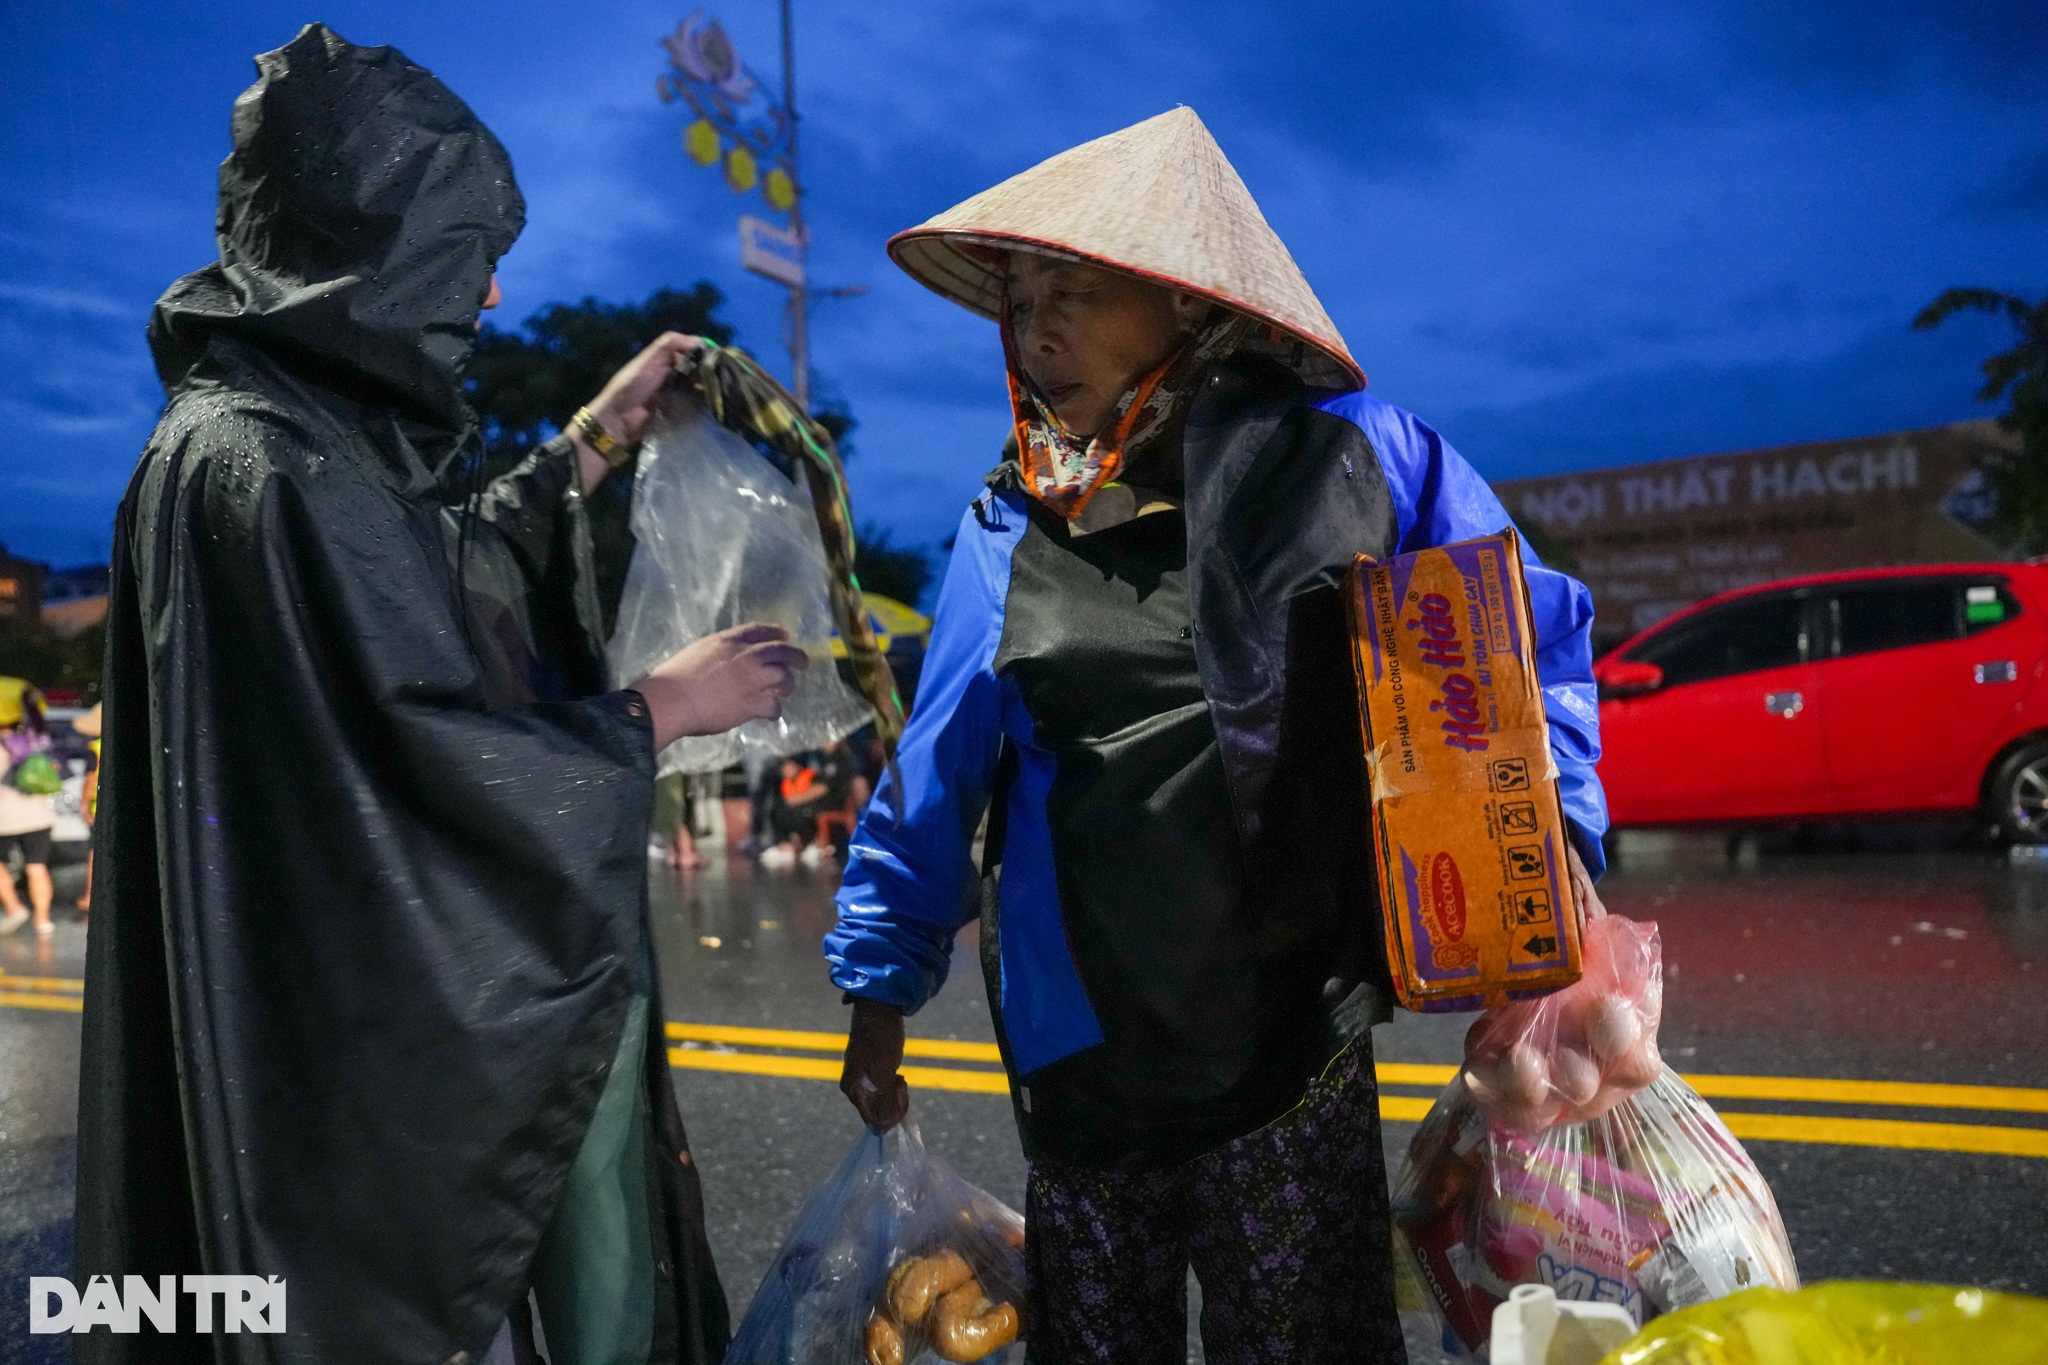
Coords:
pixel 1404 1108
pixel 69 985
pixel 1795 1088
pixel 69 1004
pixel 62 994
pixel 1908 1133
pixel 820 1069
pixel 944 1048
pixel 1894 1133
pixel 1904 1093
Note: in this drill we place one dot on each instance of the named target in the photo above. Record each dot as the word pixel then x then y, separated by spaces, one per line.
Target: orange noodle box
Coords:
pixel 1466 825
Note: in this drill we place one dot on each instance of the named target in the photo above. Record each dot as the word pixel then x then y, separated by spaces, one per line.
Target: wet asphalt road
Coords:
pixel 1912 967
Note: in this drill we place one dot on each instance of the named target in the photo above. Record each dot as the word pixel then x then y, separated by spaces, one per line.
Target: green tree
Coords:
pixel 70 664
pixel 525 382
pixel 2017 480
pixel 899 571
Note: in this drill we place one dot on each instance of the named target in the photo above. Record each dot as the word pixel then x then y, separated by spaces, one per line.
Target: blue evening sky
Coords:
pixel 1568 234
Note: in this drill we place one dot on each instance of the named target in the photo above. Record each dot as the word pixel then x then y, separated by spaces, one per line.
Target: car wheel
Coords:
pixel 2016 797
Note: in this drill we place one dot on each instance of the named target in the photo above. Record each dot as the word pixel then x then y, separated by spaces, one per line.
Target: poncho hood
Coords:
pixel 362 212
pixel 1158 200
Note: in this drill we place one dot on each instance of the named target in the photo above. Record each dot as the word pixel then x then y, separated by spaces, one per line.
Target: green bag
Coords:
pixel 36 775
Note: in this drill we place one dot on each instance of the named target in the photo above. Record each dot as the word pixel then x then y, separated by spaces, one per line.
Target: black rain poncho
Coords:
pixel 371 909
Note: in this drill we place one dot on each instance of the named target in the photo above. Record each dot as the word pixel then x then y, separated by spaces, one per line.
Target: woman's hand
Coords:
pixel 874 1055
pixel 721 681
pixel 1590 907
pixel 627 402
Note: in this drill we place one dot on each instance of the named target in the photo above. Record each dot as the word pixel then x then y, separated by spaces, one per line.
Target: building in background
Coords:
pixel 1649 539
pixel 21 589
pixel 75 600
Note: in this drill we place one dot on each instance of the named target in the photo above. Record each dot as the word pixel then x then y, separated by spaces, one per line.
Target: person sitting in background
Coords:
pixel 793 815
pixel 834 815
pixel 26 815
pixel 871 759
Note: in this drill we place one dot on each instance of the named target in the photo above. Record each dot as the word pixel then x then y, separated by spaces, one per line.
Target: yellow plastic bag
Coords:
pixel 1848 1322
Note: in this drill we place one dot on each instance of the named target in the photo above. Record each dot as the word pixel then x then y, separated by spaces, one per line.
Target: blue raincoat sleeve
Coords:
pixel 1440 499
pixel 909 879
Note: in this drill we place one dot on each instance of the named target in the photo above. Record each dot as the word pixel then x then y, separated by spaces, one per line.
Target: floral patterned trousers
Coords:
pixel 1287 1230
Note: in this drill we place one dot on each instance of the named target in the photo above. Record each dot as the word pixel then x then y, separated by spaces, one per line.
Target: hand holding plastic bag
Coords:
pixel 1571 1056
pixel 895 1260
pixel 1555 1160
pixel 1653 1206
pixel 1848 1323
pixel 725 538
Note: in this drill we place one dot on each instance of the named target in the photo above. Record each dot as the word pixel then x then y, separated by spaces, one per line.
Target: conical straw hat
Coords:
pixel 1159 200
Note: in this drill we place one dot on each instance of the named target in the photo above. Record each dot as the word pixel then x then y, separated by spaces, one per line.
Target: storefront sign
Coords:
pixel 1652 538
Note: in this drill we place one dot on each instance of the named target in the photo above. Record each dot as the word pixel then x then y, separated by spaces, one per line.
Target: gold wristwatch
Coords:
pixel 614 451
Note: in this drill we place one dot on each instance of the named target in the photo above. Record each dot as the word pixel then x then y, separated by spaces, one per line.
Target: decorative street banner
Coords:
pixel 1649 539
pixel 738 121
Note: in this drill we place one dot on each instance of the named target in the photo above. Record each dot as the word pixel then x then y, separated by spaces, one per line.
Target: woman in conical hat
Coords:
pixel 1139 669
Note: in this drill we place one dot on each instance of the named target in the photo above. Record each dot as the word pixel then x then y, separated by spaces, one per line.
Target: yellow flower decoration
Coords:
pixel 740 171
pixel 700 140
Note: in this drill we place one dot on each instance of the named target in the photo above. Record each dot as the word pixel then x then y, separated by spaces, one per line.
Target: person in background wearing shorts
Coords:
pixel 675 811
pixel 25 819
pixel 88 725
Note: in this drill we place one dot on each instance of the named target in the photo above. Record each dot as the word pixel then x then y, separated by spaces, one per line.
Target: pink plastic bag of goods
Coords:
pixel 1573 1055
pixel 1609 1187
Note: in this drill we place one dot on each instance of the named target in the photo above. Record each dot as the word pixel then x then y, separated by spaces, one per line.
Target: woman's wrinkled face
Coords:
pixel 1085 335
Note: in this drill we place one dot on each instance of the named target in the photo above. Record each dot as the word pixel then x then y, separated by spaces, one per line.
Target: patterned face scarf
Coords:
pixel 1063 471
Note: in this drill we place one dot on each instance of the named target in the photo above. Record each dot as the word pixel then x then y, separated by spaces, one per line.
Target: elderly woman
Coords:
pixel 1140 671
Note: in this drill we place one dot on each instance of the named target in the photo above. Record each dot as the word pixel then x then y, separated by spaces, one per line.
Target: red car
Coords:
pixel 1876 692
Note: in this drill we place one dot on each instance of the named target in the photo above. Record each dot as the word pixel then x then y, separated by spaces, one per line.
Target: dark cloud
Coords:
pixel 2020 191
pixel 1871 47
pixel 1885 380
pixel 1568 232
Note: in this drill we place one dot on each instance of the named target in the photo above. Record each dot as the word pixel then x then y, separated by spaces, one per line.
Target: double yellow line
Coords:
pixel 63 993
pixel 765 1052
pixel 779 1052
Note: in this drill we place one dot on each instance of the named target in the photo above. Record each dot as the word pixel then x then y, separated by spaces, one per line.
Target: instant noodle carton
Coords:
pixel 1466 825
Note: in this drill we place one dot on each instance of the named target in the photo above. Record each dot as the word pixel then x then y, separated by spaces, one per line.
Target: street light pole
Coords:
pixel 799 301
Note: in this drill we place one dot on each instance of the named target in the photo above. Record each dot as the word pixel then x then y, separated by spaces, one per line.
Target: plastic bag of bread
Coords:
pixel 1653 1205
pixel 895 1260
pixel 1572 1055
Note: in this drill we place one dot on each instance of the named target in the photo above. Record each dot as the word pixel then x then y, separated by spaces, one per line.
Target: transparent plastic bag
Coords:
pixel 724 538
pixel 1652 1205
pixel 896 1260
pixel 1848 1322
pixel 1571 1056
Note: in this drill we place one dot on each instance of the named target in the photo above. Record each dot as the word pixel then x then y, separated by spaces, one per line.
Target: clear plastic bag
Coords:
pixel 1847 1322
pixel 724 538
pixel 896 1260
pixel 1604 1189
pixel 1653 1206
pixel 1571 1056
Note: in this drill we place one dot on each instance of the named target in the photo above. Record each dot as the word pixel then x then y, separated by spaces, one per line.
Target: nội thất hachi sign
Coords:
pixel 1649 539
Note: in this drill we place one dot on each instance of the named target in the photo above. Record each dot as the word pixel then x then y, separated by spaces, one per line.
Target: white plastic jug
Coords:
pixel 1535 1327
